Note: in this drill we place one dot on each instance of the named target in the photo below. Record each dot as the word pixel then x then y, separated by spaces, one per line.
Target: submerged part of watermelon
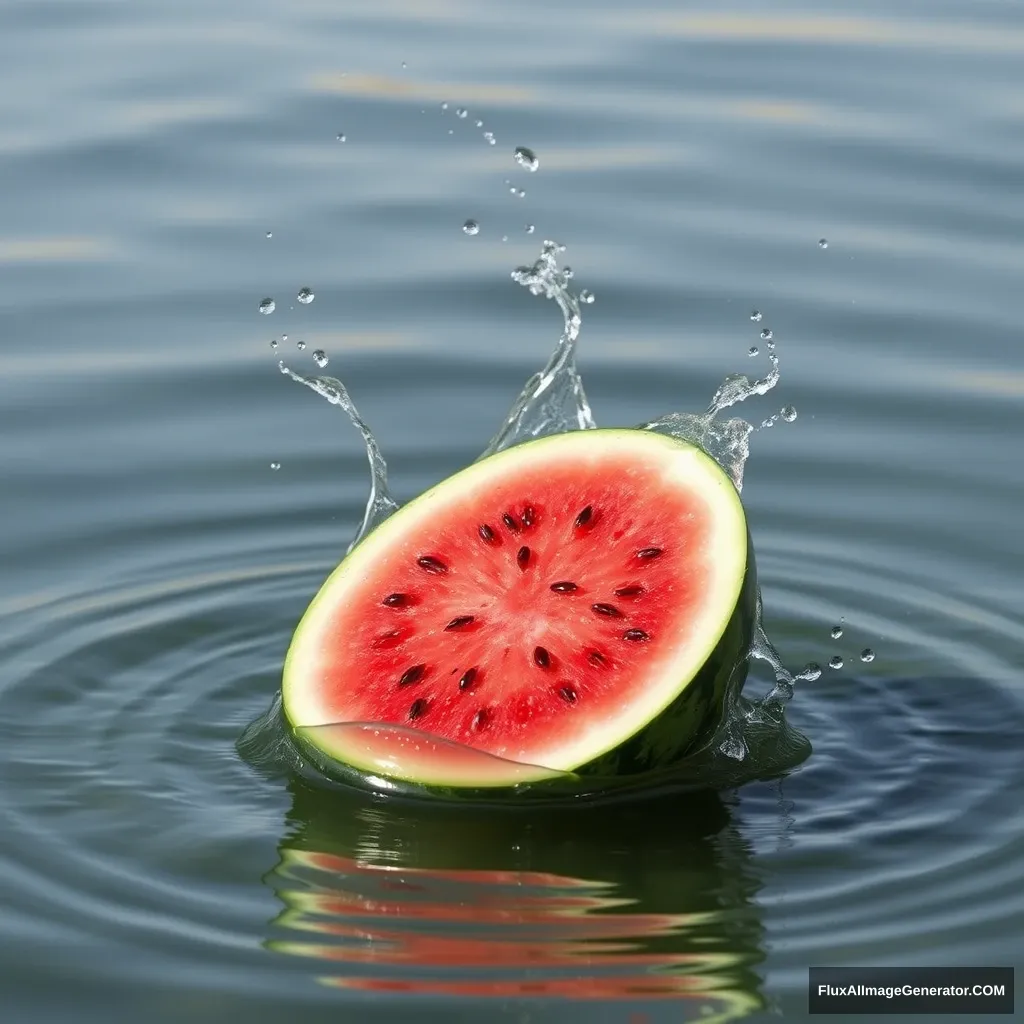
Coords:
pixel 545 605
pixel 389 750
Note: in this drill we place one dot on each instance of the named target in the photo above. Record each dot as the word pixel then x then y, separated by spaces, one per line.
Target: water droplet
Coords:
pixel 479 124
pixel 587 296
pixel 530 228
pixel 444 106
pixel 404 65
pixel 526 158
pixel 471 227
pixel 267 306
pixel 504 238
pixel 521 193
pixel 835 662
pixel 305 296
pixel 341 136
pixel 788 413
pixel 752 351
pixel 270 234
pixel 867 654
pixel 811 672
pixel 822 243
pixel 767 335
pixel 320 358
pixel 837 632
pixel 568 273
pixel 491 140
pixel 451 131
pixel 275 466
pixel 273 343
pixel 301 346
pixel 284 337
pixel 462 113
pixel 755 315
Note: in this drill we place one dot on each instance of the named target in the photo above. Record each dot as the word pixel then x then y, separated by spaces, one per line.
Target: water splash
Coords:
pixel 380 504
pixel 553 400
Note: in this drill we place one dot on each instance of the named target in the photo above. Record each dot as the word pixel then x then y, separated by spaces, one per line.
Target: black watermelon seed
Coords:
pixel 585 516
pixel 597 658
pixel 528 515
pixel 481 718
pixel 638 636
pixel 646 554
pixel 567 693
pixel 412 675
pixel 431 564
pixel 418 707
pixel 633 591
pixel 510 523
pixel 541 656
pixel 468 678
pixel 460 622
pixel 607 609
pixel 396 600
pixel 564 587
pixel 486 533
pixel 523 557
pixel 389 639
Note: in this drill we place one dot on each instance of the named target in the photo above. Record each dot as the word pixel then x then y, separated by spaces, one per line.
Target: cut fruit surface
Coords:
pixel 545 606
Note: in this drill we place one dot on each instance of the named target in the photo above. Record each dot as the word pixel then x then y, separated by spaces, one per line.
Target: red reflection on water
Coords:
pixel 567 937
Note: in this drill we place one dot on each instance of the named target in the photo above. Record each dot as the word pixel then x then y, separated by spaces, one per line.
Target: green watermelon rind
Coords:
pixel 684 723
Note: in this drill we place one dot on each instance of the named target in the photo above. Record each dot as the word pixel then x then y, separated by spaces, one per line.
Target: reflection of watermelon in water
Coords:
pixel 581 602
pixel 640 902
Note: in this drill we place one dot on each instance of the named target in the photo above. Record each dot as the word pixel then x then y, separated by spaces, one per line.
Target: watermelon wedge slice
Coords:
pixel 582 603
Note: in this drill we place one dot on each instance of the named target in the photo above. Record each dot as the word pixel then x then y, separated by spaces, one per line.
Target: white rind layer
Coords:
pixel 680 464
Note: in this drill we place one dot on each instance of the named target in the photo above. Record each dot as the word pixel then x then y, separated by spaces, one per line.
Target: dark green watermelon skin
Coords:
pixel 683 728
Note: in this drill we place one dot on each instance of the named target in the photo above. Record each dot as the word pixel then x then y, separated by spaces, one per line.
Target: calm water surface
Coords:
pixel 154 564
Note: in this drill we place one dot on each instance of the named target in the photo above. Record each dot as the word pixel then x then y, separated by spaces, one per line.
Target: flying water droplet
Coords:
pixel 444 106
pixel 755 315
pixel 275 466
pixel 462 113
pixel 341 136
pixel 479 124
pixel 305 296
pixel 587 296
pixel 504 238
pixel 526 158
pixel 811 671
pixel 320 358
pixel 267 306
pixel 767 335
pixel 301 346
pixel 788 413
pixel 837 632
pixel 491 140
pixel 835 662
pixel 273 343
pixel 471 227
pixel 752 351
pixel 867 654
pixel 822 243
pixel 270 234
pixel 530 229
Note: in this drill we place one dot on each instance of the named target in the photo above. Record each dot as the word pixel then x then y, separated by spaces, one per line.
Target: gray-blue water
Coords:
pixel 154 564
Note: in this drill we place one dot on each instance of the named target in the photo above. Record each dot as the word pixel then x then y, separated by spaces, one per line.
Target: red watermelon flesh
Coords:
pixel 541 606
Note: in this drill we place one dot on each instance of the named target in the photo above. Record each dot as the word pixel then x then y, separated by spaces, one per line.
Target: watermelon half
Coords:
pixel 581 603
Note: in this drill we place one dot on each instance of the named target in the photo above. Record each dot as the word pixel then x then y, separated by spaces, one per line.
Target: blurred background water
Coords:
pixel 165 167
